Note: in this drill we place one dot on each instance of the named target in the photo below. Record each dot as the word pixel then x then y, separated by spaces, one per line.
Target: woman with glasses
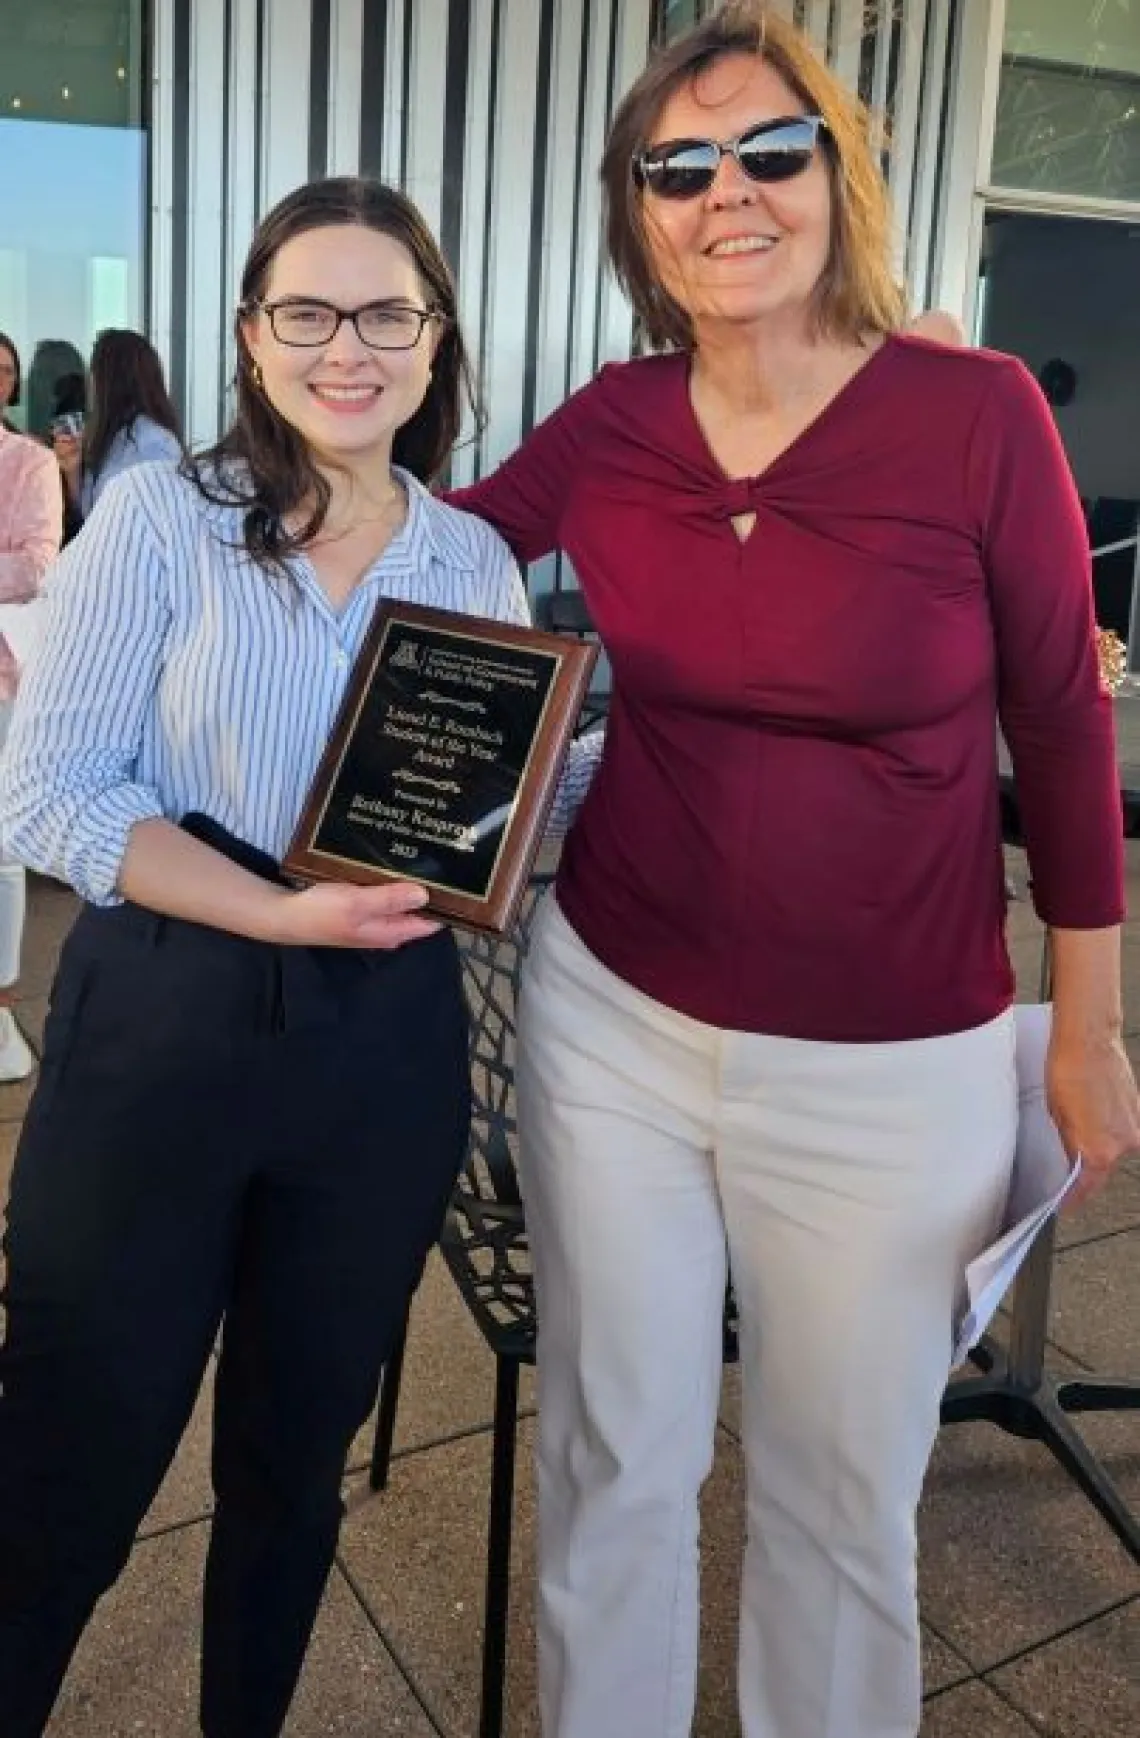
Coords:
pixel 253 1101
pixel 31 524
pixel 766 1014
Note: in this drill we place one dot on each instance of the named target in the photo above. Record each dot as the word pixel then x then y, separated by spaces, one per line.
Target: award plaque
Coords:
pixel 444 760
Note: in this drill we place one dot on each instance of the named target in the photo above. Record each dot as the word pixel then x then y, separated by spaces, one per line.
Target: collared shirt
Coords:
pixel 795 828
pixel 144 440
pixel 31 524
pixel 175 675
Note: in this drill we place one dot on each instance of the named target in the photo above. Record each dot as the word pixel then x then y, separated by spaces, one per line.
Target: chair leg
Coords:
pixel 499 1547
pixel 386 1413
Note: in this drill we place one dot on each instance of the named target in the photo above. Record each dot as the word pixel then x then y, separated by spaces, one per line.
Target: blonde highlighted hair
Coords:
pixel 857 293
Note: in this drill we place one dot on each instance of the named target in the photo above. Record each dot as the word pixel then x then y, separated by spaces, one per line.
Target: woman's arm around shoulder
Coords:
pixel 525 497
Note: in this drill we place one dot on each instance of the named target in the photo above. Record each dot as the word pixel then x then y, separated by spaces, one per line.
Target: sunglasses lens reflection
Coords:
pixel 767 154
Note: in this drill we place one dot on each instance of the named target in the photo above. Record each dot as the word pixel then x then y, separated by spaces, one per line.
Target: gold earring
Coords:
pixel 258 377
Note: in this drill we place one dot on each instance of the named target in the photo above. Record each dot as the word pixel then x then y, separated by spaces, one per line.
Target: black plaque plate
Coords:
pixel 444 760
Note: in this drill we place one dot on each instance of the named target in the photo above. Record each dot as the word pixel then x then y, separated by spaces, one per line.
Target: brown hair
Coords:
pixel 857 292
pixel 260 444
pixel 126 382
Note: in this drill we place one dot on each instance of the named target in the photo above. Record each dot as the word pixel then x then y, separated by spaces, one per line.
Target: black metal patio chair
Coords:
pixel 565 612
pixel 484 1244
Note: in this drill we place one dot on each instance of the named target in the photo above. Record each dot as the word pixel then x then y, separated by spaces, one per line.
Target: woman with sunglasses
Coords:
pixel 768 1005
pixel 253 1101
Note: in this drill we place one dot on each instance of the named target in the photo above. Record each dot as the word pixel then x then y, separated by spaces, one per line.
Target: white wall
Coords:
pixel 1071 288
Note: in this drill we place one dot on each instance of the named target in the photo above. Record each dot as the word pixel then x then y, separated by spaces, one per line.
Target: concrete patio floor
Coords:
pixel 1031 1609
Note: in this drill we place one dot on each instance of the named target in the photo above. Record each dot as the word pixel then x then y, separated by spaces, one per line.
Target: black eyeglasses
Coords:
pixel 306 324
pixel 773 151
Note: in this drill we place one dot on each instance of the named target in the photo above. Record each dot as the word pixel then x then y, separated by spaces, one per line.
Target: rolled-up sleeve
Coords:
pixel 68 792
pixel 1055 713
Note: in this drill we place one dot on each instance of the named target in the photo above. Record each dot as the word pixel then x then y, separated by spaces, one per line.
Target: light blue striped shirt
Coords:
pixel 145 439
pixel 172 674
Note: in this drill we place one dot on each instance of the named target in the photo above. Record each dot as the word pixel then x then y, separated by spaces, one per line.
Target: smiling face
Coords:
pixel 744 250
pixel 345 399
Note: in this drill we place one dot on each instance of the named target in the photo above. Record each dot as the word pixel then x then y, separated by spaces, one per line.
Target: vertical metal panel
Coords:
pixel 454 188
pixel 161 160
pixel 373 84
pixel 847 39
pixel 504 362
pixel 345 51
pixel 180 153
pixel 817 23
pixel 558 284
pixel 477 212
pixel 881 33
pixel 630 45
pixel 595 97
pixel 241 173
pixel 905 107
pixel 391 94
pixel 285 99
pixel 929 148
pixel 320 45
pixel 973 72
pixel 206 216
pixel 426 54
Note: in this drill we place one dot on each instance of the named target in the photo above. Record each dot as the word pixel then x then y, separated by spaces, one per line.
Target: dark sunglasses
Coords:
pixel 773 151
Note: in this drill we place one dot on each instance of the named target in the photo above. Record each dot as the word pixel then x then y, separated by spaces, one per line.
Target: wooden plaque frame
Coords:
pixel 439 706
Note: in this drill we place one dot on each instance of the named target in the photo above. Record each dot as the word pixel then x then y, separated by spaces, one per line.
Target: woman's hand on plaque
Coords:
pixel 337 914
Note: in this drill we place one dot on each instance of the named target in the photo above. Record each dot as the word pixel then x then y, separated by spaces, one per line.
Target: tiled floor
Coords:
pixel 1031 1609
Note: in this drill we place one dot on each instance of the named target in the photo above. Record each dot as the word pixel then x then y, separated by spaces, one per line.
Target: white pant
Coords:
pixel 13 896
pixel 852 1183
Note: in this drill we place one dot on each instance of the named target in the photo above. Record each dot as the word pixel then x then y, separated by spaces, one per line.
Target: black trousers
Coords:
pixel 224 1134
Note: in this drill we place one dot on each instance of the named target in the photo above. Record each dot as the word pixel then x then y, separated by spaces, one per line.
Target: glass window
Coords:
pixel 73 167
pixel 1063 294
pixel 1069 105
pixel 678 16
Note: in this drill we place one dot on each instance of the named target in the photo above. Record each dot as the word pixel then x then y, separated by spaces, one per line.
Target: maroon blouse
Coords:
pixel 794 828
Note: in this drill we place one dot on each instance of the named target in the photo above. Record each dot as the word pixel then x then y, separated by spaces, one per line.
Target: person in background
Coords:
pixel 130 418
pixel 9 381
pixel 766 1016
pixel 50 385
pixel 253 1101
pixel 30 530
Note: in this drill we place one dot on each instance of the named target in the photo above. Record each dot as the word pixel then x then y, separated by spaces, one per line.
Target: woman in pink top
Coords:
pixel 31 525
pixel 768 1006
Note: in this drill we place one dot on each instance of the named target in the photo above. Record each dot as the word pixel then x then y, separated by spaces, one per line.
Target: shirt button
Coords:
pixel 341 660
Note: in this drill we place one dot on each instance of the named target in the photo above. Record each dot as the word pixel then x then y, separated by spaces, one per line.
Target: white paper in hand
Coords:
pixel 1042 1177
